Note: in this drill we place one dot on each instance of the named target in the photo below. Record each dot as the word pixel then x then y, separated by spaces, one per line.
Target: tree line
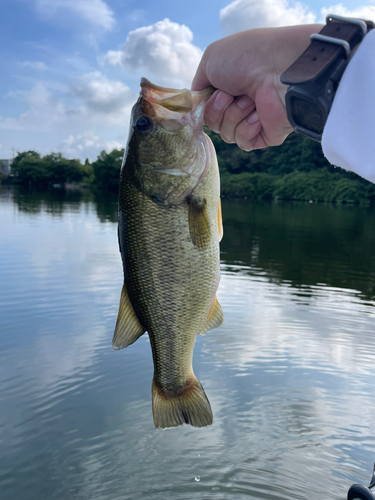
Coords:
pixel 296 170
pixel 30 168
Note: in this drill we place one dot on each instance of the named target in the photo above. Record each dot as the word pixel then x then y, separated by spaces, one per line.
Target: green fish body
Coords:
pixel 169 232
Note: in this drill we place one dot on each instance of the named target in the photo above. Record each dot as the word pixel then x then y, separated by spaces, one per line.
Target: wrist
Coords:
pixel 314 77
pixel 290 44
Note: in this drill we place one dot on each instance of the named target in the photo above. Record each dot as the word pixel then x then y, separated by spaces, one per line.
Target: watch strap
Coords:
pixel 320 54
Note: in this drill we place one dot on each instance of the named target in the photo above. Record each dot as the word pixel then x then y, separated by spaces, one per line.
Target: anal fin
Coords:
pixel 128 328
pixel 215 318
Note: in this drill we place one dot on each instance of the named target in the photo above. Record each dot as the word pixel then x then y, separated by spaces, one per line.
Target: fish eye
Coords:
pixel 143 124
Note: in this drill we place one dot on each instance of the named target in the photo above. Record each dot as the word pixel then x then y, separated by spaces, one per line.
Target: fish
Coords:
pixel 169 229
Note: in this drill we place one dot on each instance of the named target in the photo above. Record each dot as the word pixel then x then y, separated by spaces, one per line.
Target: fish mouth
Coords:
pixel 163 102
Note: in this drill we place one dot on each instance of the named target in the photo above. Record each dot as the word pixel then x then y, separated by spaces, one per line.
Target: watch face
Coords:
pixel 306 114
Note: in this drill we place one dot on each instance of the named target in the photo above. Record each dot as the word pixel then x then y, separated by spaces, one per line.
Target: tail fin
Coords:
pixel 190 407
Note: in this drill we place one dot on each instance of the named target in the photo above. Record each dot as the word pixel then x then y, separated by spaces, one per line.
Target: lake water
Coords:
pixel 290 375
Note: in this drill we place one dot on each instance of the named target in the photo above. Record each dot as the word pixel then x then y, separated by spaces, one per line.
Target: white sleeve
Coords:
pixel 348 139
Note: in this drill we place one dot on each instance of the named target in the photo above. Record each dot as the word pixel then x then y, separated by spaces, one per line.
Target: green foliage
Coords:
pixel 3 179
pixel 296 170
pixel 60 170
pixel 248 185
pixel 107 169
pixel 29 168
pixel 87 173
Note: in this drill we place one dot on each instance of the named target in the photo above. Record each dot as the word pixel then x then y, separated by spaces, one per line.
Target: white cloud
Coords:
pixel 245 14
pixel 163 51
pixel 34 65
pixel 43 111
pixel 91 114
pixel 110 145
pixel 80 143
pixel 113 57
pixel 88 144
pixel 10 123
pixel 363 12
pixel 103 96
pixel 93 11
pixel 335 314
pixel 92 98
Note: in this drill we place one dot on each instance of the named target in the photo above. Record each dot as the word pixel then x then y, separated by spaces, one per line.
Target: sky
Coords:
pixel 71 68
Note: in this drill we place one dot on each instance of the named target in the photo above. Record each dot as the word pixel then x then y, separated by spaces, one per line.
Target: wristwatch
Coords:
pixel 313 79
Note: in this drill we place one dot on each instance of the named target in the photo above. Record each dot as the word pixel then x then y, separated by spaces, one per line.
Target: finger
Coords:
pixel 215 109
pixel 248 133
pixel 233 115
pixel 200 80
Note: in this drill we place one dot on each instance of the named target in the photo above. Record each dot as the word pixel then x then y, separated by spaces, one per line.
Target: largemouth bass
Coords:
pixel 169 231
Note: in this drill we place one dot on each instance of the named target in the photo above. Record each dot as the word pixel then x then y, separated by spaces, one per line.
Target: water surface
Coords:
pixel 290 375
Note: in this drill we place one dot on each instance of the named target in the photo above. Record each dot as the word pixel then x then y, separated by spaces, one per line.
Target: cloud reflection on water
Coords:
pixel 289 374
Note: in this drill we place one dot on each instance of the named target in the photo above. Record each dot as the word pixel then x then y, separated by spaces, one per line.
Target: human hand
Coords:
pixel 249 106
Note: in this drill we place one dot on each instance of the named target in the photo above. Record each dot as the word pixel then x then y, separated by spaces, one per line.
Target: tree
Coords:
pixel 107 169
pixel 28 167
pixel 60 170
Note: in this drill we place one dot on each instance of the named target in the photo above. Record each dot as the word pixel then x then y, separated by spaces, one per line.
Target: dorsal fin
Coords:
pixel 215 318
pixel 128 328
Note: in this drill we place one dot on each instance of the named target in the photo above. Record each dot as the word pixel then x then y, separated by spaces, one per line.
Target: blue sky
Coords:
pixel 71 68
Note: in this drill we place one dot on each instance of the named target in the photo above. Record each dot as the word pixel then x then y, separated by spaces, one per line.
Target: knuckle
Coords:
pixel 247 148
pixel 231 116
pixel 278 141
pixel 245 144
pixel 244 139
pixel 212 123
pixel 229 139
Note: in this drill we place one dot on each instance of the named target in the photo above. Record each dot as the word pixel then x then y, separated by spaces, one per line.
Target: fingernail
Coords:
pixel 253 118
pixel 244 102
pixel 222 100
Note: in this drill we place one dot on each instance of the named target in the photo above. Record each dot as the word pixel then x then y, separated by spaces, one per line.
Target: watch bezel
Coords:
pixel 304 92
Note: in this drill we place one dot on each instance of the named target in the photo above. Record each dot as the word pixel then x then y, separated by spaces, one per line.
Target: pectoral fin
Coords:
pixel 215 318
pixel 128 328
pixel 199 224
